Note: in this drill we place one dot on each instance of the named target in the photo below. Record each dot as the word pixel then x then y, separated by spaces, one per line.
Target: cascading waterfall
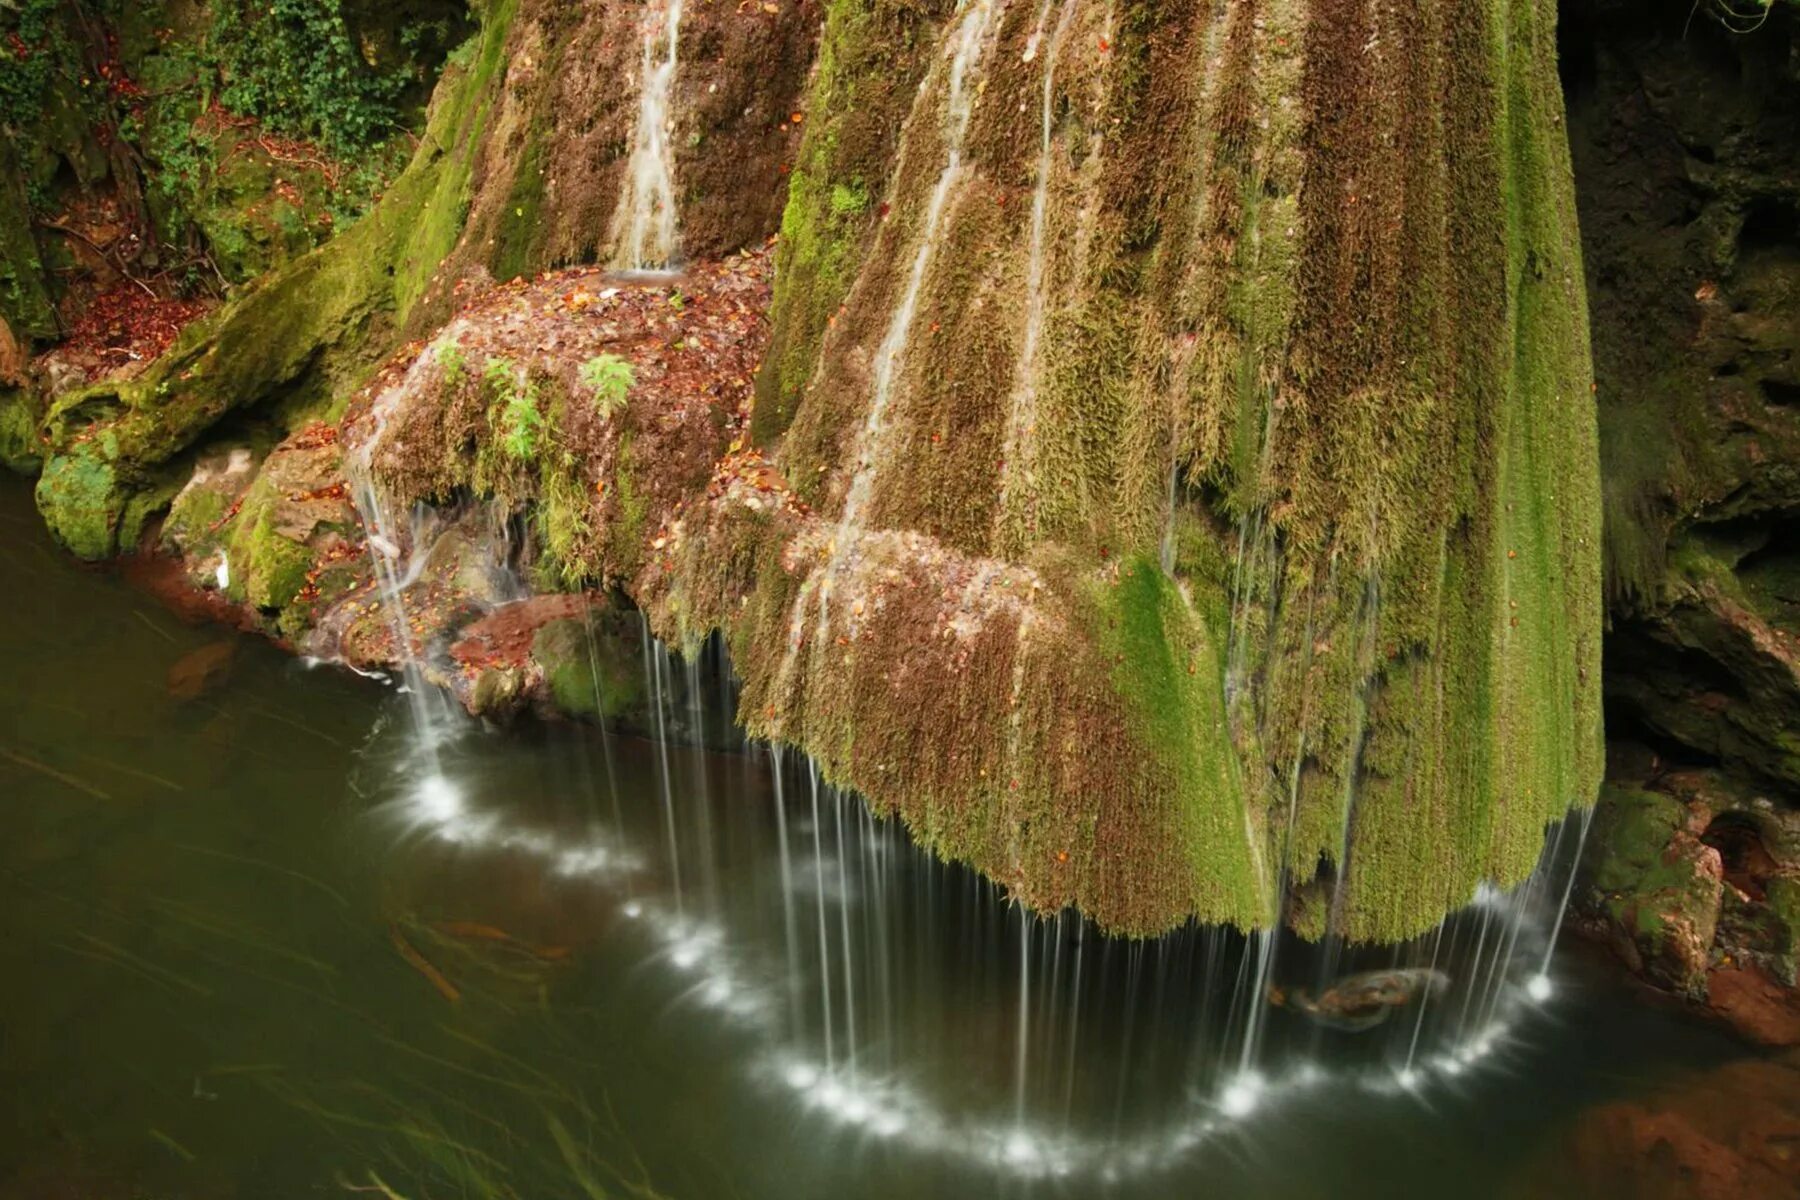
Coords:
pixel 888 993
pixel 398 559
pixel 1021 420
pixel 646 224
pixel 967 45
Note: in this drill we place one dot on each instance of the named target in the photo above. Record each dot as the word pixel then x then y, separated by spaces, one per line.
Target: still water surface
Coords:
pixel 243 954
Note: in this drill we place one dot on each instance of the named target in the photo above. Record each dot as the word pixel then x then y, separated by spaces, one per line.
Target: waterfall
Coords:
pixel 959 107
pixel 1022 417
pixel 884 994
pixel 645 229
pixel 398 559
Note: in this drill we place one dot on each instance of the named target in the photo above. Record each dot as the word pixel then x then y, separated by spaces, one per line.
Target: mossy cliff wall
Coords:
pixel 1227 515
pixel 1686 141
pixel 1172 483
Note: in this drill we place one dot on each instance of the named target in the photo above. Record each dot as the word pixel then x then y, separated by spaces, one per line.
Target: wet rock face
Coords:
pixel 1694 882
pixel 1686 146
pixel 1657 885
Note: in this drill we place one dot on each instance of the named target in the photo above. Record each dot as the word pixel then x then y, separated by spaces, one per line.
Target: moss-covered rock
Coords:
pixel 296 338
pixel 588 673
pixel 1657 885
pixel 1299 281
pixel 20 411
pixel 80 495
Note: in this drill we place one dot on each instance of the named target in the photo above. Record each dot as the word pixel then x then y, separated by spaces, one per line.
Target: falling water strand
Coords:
pixel 708 857
pixel 970 37
pixel 1023 1049
pixel 1074 1024
pixel 1476 960
pixel 1562 907
pixel 1412 1046
pixel 837 809
pixel 654 654
pixel 824 937
pixel 430 717
pixel 788 925
pixel 1023 417
pixel 645 227
pixel 612 779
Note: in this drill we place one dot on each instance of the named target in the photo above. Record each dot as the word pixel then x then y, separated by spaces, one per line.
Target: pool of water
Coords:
pixel 250 947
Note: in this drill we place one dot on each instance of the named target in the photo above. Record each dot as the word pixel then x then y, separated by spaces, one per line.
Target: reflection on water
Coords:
pixel 251 950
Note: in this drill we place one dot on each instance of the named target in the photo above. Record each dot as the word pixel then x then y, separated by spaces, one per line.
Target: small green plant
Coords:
pixel 610 378
pixel 451 363
pixel 849 199
pixel 521 421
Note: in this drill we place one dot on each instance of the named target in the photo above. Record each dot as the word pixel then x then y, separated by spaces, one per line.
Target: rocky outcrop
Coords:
pixel 1686 143
pixel 1658 885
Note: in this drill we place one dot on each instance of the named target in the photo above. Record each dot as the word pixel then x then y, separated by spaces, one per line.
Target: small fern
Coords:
pixel 451 363
pixel 521 421
pixel 610 378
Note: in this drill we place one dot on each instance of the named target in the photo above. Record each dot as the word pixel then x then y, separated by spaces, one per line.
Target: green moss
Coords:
pixel 1784 911
pixel 1171 675
pixel 1385 510
pixel 588 674
pixel 267 569
pixel 20 412
pixel 25 303
pixel 195 516
pixel 79 496
pixel 308 331
pixel 633 507
pixel 871 54
pixel 563 518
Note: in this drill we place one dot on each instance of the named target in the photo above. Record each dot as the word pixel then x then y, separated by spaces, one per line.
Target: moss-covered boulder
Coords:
pixel 589 672
pixel 1656 885
pixel 80 495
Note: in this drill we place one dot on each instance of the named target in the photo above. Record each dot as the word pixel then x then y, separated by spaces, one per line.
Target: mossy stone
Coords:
pixel 79 496
pixel 585 671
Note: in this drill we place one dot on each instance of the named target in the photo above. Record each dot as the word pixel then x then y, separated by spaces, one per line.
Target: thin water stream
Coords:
pixel 251 948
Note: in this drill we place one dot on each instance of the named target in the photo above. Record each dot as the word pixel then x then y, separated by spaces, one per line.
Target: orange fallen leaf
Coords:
pixel 419 963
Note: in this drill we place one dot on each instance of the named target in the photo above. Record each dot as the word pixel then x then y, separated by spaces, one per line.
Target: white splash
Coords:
pixel 645 230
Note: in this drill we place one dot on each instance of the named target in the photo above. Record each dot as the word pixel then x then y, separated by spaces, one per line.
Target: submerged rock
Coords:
pixel 1726 1134
pixel 200 673
pixel 1362 1001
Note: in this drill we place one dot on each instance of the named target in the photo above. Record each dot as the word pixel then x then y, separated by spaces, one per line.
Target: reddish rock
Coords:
pixel 12 357
pixel 1756 1006
pixel 1728 1134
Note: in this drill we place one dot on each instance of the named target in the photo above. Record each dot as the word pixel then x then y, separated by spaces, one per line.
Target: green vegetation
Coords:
pixel 610 378
pixel 307 334
pixel 871 55
pixel 521 422
pixel 451 363
pixel 295 65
